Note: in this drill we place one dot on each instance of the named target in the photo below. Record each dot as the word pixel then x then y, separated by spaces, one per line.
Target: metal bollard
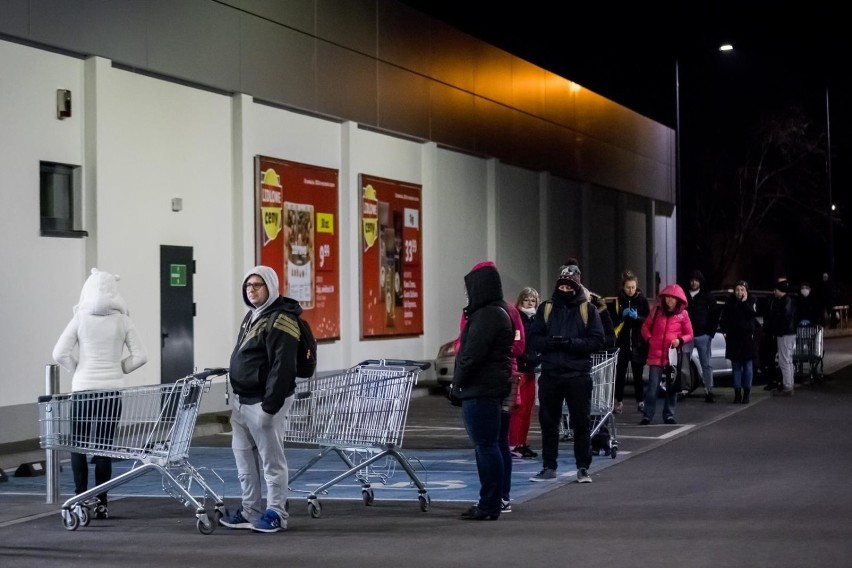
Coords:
pixel 51 386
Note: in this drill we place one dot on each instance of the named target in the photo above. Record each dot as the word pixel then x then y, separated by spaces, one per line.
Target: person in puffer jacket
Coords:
pixel 668 326
pixel 565 344
pixel 92 347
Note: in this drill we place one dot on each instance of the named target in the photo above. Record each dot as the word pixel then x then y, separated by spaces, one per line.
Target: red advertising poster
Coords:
pixel 391 267
pixel 297 236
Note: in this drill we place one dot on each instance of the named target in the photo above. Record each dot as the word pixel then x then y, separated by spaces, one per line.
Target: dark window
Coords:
pixel 61 207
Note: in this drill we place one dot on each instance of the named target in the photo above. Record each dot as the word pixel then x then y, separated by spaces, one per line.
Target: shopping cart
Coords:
pixel 603 429
pixel 360 415
pixel 150 424
pixel 808 352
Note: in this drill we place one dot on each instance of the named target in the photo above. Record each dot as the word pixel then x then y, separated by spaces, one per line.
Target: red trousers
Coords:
pixel 519 423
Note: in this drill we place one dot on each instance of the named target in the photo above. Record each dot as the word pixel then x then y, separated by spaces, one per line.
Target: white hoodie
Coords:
pixel 92 344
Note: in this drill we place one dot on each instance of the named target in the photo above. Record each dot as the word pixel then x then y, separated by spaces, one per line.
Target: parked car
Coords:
pixel 445 362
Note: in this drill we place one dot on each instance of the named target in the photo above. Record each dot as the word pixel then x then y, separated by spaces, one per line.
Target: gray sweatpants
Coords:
pixel 258 450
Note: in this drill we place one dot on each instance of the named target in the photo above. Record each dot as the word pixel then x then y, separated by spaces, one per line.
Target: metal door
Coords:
pixel 177 311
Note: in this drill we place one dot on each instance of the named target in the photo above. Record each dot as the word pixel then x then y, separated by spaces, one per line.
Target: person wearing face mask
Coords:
pixel 808 310
pixel 565 343
pixel 737 323
pixel 519 424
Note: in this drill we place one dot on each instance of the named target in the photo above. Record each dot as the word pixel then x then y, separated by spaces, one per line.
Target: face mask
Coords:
pixel 805 292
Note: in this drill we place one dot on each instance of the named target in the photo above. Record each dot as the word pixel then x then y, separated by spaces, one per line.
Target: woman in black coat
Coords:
pixel 631 309
pixel 738 324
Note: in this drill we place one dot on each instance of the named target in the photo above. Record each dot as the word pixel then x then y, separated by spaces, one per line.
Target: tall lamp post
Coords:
pixel 830 198
pixel 678 184
pixel 678 196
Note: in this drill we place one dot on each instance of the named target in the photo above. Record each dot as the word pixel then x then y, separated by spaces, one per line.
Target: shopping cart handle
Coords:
pixel 211 372
pixel 397 363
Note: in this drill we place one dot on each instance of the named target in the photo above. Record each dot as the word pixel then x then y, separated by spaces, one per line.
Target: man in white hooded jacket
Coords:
pixel 91 347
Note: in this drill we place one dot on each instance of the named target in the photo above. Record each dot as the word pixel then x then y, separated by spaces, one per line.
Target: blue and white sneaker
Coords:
pixel 235 521
pixel 270 522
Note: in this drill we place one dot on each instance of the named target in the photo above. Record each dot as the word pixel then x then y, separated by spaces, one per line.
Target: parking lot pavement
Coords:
pixel 764 484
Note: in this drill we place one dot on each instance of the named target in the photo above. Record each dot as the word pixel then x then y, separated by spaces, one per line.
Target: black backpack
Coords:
pixel 306 358
pixel 306 355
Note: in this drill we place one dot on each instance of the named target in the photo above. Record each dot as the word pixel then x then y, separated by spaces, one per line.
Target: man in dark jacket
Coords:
pixel 782 325
pixel 704 315
pixel 482 379
pixel 565 343
pixel 263 378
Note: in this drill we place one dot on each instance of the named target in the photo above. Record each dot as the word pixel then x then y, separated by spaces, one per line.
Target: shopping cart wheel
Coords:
pixel 69 520
pixel 217 516
pixel 613 451
pixel 83 515
pixel 368 496
pixel 315 509
pixel 425 500
pixel 204 525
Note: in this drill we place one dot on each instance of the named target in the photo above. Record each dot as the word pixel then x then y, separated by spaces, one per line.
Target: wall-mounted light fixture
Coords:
pixel 63 103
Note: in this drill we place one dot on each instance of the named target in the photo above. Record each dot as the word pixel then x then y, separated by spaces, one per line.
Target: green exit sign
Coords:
pixel 177 275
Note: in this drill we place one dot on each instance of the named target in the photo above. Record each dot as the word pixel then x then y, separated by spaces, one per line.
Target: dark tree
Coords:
pixel 778 193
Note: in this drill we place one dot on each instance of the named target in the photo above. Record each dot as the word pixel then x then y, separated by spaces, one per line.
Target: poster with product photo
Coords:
pixel 391 267
pixel 297 236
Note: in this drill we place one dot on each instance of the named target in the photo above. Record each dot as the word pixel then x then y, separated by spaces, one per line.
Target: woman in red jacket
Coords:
pixel 667 326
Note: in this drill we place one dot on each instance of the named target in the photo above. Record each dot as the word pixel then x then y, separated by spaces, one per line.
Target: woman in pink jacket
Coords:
pixel 667 326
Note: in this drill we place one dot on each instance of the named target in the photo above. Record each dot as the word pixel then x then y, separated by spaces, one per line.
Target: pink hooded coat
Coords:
pixel 660 328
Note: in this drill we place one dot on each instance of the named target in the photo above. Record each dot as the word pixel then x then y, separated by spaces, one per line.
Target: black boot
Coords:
pixel 746 392
pixel 738 396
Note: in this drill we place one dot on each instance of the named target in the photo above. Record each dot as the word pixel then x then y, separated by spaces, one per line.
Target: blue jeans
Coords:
pixel 702 345
pixel 483 418
pixel 742 374
pixel 505 419
pixel 655 375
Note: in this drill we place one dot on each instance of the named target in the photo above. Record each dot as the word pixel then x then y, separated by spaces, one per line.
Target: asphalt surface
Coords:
pixel 731 485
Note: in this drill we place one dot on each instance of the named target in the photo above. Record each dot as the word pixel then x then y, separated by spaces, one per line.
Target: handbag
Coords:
pixel 672 357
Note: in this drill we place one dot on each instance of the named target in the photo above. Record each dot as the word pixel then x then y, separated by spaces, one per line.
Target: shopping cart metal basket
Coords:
pixel 150 424
pixel 360 415
pixel 603 425
pixel 807 352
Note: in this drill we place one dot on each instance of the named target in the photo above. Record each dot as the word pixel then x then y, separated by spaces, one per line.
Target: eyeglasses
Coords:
pixel 255 285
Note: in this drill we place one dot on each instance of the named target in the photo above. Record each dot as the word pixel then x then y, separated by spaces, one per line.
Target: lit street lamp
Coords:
pixel 678 190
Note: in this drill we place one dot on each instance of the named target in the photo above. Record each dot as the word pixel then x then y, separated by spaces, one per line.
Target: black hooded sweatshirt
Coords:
pixel 484 361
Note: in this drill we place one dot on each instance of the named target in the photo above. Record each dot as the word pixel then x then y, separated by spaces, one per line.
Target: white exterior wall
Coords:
pixel 143 141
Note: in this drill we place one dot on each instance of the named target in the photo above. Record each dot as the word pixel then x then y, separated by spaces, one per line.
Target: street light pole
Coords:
pixel 830 199
pixel 678 194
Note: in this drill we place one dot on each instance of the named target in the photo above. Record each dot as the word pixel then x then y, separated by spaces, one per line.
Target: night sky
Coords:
pixel 783 56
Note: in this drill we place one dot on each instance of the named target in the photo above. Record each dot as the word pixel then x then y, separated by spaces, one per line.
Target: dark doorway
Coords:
pixel 177 311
